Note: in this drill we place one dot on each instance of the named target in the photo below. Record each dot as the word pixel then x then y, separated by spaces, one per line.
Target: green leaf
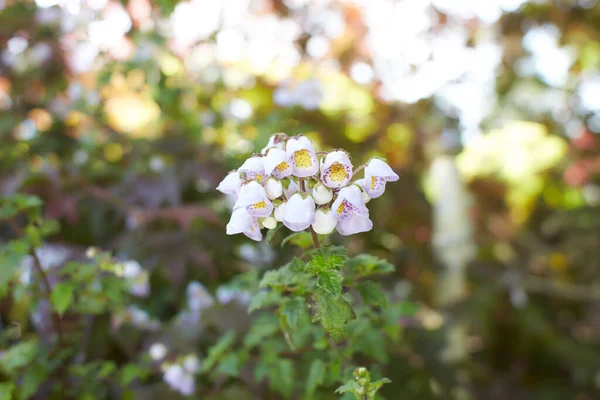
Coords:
pixel 6 389
pixel 350 387
pixel 33 376
pixel 330 281
pixel 291 310
pixel 19 355
pixel 288 276
pixel 263 327
pixel 408 309
pixel 11 256
pixel 281 377
pixel 316 377
pixel 24 201
pixel 372 293
pixel 333 313
pixel 62 296
pixel 367 265
pixel 373 387
pixel 107 368
pixel 216 352
pixel 327 258
pixel 301 239
pixel 130 372
pixel 272 232
pixel 264 299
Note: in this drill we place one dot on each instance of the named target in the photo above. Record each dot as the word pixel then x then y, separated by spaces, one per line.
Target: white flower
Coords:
pixel 322 194
pixel 230 184
pixel 137 277
pixel 350 211
pixel 198 297
pixel 377 173
pixel 131 269
pixel 277 163
pixel 253 198
pixel 191 363
pixel 277 140
pixel 253 168
pixel 279 212
pixel 178 379
pixel 365 196
pixel 324 222
pixel 274 188
pixel 299 212
pixel 269 223
pixel 158 351
pixel 301 151
pixel 242 222
pixel 226 295
pixel 336 169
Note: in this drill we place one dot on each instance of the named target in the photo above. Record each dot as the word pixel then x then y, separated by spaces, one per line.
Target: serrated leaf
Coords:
pixel 288 276
pixel 229 365
pixel 19 355
pixel 217 351
pixel 264 299
pixel 291 310
pixel 330 281
pixel 316 377
pixel 6 389
pixel 327 257
pixel 62 296
pixel 373 387
pixel 264 326
pixel 350 387
pixel 333 313
pixel 367 265
pixel 281 377
pixel 372 293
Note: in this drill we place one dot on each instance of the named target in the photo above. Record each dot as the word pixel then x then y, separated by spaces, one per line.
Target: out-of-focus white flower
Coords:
pixel 137 277
pixel 350 211
pixel 299 212
pixel 253 168
pixel 191 363
pixel 307 94
pixel 230 184
pixel 301 151
pixel 279 212
pixel 377 173
pixel 198 297
pixel 322 194
pixel 158 351
pixel 242 222
pixel 277 140
pixel 253 198
pixel 274 188
pixel 269 223
pixel 336 169
pixel 324 223
pixel 226 295
pixel 278 163
pixel 179 380
pixel 139 318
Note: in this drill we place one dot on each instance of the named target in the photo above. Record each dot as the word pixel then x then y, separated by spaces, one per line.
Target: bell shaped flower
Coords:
pixel 230 184
pixel 350 211
pixel 322 194
pixel 336 169
pixel 325 222
pixel 269 223
pixel 253 169
pixel 277 140
pixel 179 379
pixel 242 222
pixel 299 212
pixel 253 197
pixel 301 151
pixel 277 163
pixel 377 173
pixel 274 188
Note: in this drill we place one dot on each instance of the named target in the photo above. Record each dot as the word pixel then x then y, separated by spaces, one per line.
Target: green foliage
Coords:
pixel 361 386
pixel 6 389
pixel 332 312
pixel 62 296
pixel 217 351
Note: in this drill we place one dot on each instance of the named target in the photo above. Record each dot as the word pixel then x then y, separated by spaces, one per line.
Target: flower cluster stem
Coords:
pixel 315 238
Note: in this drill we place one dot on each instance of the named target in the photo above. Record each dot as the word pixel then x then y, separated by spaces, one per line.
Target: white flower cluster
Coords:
pixel 180 376
pixel 288 183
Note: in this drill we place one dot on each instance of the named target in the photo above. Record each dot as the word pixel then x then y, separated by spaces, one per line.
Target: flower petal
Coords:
pixel 253 168
pixel 356 223
pixel 299 212
pixel 251 193
pixel 377 167
pixel 274 188
pixel 374 186
pixel 239 222
pixel 324 223
pixel 230 184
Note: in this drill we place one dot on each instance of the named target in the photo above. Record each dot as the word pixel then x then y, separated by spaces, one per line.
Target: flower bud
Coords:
pixel 324 223
pixel 322 194
pixel 274 188
pixel 279 212
pixel 269 223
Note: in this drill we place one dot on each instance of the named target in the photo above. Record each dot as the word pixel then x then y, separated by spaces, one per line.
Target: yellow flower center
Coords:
pixel 259 205
pixel 302 159
pixel 282 167
pixel 259 178
pixel 337 172
pixel 372 182
pixel 341 207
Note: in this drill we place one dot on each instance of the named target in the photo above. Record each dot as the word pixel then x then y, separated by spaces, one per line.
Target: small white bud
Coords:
pixel 274 188
pixel 269 223
pixel 158 351
pixel 279 211
pixel 322 194
pixel 324 223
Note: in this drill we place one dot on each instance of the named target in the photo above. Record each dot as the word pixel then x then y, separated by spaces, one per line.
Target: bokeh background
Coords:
pixel 123 116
